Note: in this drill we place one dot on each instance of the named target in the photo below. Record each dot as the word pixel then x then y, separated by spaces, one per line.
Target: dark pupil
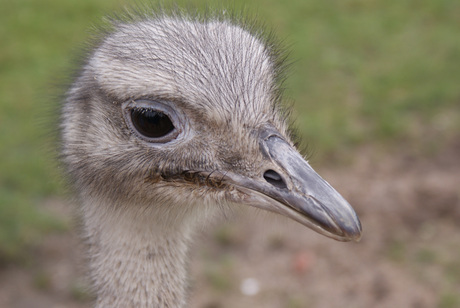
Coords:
pixel 151 123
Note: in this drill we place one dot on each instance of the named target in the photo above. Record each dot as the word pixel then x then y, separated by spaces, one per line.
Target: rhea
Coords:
pixel 172 120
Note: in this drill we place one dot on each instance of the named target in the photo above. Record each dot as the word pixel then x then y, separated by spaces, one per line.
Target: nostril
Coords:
pixel 274 178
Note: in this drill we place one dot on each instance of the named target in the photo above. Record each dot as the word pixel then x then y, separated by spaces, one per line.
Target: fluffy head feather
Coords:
pixel 221 77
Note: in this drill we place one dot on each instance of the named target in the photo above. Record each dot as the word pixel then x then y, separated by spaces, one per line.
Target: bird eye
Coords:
pixel 151 121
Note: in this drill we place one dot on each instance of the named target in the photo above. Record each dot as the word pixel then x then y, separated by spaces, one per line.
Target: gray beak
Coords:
pixel 293 189
pixel 311 195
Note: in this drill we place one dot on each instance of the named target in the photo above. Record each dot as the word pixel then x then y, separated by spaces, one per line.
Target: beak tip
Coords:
pixel 356 237
pixel 342 221
pixel 355 232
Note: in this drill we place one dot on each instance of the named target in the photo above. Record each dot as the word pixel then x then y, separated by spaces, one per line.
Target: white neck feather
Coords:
pixel 136 260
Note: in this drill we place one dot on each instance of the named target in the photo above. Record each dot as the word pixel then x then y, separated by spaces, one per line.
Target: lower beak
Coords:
pixel 292 188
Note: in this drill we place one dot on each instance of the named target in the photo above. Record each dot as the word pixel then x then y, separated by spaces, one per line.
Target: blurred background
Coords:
pixel 375 86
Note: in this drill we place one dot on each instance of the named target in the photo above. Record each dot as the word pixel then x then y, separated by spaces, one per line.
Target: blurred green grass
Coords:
pixel 376 72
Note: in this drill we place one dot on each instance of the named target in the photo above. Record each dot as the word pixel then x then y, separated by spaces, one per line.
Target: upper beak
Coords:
pixel 292 188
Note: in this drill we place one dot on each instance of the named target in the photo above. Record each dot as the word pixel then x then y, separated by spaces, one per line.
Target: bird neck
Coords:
pixel 135 259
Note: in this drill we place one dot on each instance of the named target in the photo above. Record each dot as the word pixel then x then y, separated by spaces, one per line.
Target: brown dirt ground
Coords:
pixel 409 255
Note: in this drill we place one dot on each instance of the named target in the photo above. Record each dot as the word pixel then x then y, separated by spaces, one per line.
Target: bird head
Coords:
pixel 181 114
